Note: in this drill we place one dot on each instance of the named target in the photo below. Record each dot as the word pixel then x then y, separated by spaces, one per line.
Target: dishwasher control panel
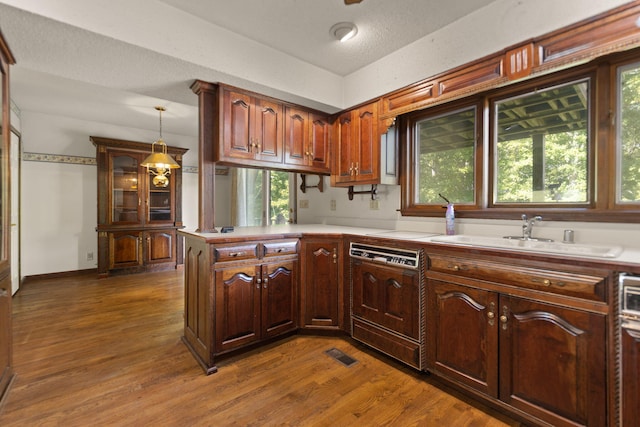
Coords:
pixel 407 258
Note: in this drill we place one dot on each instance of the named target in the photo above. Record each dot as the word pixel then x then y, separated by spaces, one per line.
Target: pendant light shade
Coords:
pixel 159 163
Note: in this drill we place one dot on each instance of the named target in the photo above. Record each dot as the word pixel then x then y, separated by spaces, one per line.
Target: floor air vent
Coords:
pixel 341 357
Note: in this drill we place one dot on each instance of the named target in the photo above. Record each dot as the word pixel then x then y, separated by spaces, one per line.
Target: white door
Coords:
pixel 14 167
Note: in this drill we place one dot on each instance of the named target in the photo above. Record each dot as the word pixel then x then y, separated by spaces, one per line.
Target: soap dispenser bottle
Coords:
pixel 450 217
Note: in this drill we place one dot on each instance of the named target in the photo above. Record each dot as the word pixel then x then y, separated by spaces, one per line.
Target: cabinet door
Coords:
pixel 160 246
pixel 319 147
pixel 552 362
pixel 126 190
pixel 160 201
pixel 279 296
pixel 343 162
pixel 125 249
pixel 387 296
pixel 296 139
pixel 367 145
pixel 357 147
pixel 268 136
pixel 321 284
pixel 463 339
pixel 237 307
pixel 236 124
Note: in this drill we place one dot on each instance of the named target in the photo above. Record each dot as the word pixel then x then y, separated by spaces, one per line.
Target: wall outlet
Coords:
pixel 373 205
pixel 304 204
pixel 89 256
pixel 333 205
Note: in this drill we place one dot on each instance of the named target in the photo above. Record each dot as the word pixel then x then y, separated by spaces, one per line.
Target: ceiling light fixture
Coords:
pixel 344 31
pixel 160 163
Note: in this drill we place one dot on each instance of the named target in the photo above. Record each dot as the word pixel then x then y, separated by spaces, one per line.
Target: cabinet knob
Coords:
pixel 491 314
pixel 335 256
pixel 504 318
pixel 456 268
pixel 265 282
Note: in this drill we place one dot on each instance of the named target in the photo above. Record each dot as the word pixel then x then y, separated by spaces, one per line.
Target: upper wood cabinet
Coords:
pixel 356 147
pixel 137 220
pixel 252 128
pixel 306 140
pixel 258 131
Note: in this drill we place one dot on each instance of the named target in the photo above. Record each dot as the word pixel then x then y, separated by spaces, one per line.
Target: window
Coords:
pixel 445 157
pixel 256 192
pixel 628 132
pixel 564 145
pixel 541 146
pixel 443 160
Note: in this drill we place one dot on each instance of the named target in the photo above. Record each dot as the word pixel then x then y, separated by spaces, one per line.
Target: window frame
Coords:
pixel 408 175
pixel 523 90
pixel 601 158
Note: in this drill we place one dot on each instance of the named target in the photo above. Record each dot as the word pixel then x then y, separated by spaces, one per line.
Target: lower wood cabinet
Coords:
pixel 321 287
pixel 542 358
pixel 131 251
pixel 254 302
pixel 238 294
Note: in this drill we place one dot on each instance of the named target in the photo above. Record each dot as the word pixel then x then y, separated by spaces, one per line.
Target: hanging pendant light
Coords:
pixel 159 163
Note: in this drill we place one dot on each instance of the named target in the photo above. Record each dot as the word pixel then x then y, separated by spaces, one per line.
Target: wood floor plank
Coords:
pixel 107 352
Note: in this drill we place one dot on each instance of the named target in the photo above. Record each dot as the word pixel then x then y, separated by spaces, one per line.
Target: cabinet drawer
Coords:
pixel 564 283
pixel 236 252
pixel 280 247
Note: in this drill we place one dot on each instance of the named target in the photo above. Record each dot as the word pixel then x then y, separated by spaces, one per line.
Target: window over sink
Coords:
pixel 564 145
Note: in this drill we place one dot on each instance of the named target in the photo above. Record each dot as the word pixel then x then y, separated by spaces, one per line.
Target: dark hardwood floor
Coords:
pixel 91 351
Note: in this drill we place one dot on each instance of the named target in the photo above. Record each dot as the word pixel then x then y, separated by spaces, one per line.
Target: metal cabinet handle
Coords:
pixel 491 314
pixel 265 282
pixel 504 319
pixel 258 282
pixel 335 255
pixel 236 254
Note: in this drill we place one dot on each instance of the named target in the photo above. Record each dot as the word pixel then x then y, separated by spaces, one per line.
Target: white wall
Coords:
pixel 358 213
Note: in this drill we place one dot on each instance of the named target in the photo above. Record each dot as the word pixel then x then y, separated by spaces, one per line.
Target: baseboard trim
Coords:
pixel 58 275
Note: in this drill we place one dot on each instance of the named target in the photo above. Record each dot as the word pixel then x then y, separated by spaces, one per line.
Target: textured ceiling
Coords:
pixel 112 60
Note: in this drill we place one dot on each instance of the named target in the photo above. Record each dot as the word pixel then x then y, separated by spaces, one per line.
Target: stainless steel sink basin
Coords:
pixel 568 249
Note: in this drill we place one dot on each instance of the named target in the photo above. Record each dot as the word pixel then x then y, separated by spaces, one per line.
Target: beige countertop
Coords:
pixel 629 257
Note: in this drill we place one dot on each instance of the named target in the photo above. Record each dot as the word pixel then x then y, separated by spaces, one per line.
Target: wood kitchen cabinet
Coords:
pixel 137 220
pixel 356 147
pixel 238 294
pixel 306 140
pixel 321 288
pixel 254 303
pixel 539 354
pixel 252 128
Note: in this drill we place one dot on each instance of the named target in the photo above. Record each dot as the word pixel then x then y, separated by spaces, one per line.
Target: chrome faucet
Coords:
pixel 527 226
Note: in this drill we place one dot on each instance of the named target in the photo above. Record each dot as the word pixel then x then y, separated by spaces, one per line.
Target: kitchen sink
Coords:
pixel 541 246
